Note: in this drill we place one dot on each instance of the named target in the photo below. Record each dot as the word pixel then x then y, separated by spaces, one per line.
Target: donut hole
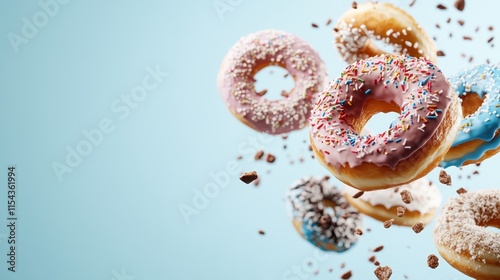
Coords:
pixel 273 82
pixel 382 46
pixel 493 229
pixel 376 120
pixel 471 102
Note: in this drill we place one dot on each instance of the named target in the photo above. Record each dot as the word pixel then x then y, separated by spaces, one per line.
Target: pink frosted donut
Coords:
pixel 261 49
pixel 411 147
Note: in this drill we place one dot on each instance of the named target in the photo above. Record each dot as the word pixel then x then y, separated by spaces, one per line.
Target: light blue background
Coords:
pixel 117 213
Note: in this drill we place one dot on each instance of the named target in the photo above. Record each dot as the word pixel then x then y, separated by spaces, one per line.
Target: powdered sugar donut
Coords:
pixel 321 214
pixel 256 51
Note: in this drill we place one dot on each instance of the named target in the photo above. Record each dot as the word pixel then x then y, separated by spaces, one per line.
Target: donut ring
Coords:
pixel 257 51
pixel 382 205
pixel 321 214
pixel 462 239
pixel 357 29
pixel 411 147
pixel 477 139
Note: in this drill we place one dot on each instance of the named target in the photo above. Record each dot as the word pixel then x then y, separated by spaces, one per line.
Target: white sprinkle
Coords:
pixel 341 149
pixel 404 32
pixel 393 149
pixel 407 147
pixel 389 32
pixel 404 142
pixel 408 43
pixel 487 120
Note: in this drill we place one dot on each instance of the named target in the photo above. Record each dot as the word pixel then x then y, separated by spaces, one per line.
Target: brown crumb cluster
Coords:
pixel 400 211
pixel 418 227
pixel 383 272
pixel 388 223
pixel 406 196
pixel 444 178
pixel 249 177
pixel 432 261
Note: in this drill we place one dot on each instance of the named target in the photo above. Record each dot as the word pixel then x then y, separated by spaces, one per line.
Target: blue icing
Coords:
pixel 321 241
pixel 483 124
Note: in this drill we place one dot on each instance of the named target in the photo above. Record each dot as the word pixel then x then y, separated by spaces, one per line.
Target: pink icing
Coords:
pixel 414 84
pixel 271 47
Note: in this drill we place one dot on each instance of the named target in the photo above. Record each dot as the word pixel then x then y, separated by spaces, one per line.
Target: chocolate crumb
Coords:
pixel 448 20
pixel 376 263
pixel 475 172
pixel 328 21
pixel 471 59
pixel 406 196
pixel 477 29
pixel 249 177
pixel 346 275
pixel 444 178
pixel 310 148
pixel 259 155
pixel 284 93
pixel 461 22
pixel 440 53
pixel 342 265
pixel 286 75
pixel 459 4
pixel 239 157
pixel 330 269
pixel 335 29
pixel 270 158
pixel 358 194
pixel 412 3
pixel 432 261
pixel 256 182
pixel 372 258
pixel 418 227
pixel 438 26
pixel 441 7
pixel 383 272
pixel 388 223
pixel 461 191
pixel 490 39
pixel 359 231
pixel 261 232
pixel 400 211
pixel 262 92
pixel 478 164
pixel 314 25
pixel 354 4
pixel 490 28
pixel 378 249
pixel 467 38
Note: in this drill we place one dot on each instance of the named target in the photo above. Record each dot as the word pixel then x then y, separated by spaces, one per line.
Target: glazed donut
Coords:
pixel 357 28
pixel 477 138
pixel 256 51
pixel 321 214
pixel 462 238
pixel 382 205
pixel 411 147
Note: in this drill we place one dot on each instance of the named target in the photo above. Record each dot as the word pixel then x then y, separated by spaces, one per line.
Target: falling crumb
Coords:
pixel 354 4
pixel 490 28
pixel 444 178
pixel 448 20
pixel 335 29
pixel 388 223
pixel 330 269
pixel 358 194
pixel 406 196
pixel 477 29
pixel 378 249
pixel 359 231
pixel 475 172
pixel 461 22
pixel 400 211
pixel 372 259
pixel 451 34
pixel 471 59
pixel 432 261
pixel 383 272
pixel 490 39
pixel 314 25
pixel 441 7
pixel 440 53
pixel 412 3
pixel 438 26
pixel 270 158
pixel 461 191
pixel 310 148
pixel 346 275
pixel 467 38
pixel 256 182
pixel 249 177
pixel 284 93
pixel 239 157
pixel 316 272
pixel 328 21
pixel 418 227
pixel 259 155
pixel 261 232
pixel 376 263
pixel 286 75
pixel 459 4
pixel 262 92
pixel 342 265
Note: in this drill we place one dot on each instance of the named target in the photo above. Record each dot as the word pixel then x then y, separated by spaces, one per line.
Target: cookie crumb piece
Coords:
pixel 270 158
pixel 346 275
pixel 249 177
pixel 358 194
pixel 259 155
pixel 378 249
pixel 406 196
pixel 400 211
pixel 354 4
pixel 432 261
pixel 459 4
pixel 418 227
pixel 383 272
pixel 359 231
pixel 444 178
pixel 261 232
pixel 388 223
pixel 461 191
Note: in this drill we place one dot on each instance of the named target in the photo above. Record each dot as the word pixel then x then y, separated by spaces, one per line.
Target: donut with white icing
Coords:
pixel 478 136
pixel 257 51
pixel 383 205
pixel 322 215
pixel 358 28
pixel 462 237
pixel 411 147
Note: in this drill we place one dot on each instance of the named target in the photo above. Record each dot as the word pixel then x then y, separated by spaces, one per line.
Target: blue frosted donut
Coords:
pixel 321 214
pixel 477 138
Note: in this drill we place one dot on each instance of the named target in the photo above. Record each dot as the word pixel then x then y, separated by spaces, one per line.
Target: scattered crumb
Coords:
pixel 372 259
pixel 388 223
pixel 467 38
pixel 358 194
pixel 438 26
pixel 444 178
pixel 239 157
pixel 376 263
pixel 261 232
pixel 359 231
pixel 330 269
pixel 284 93
pixel 378 249
pixel 259 155
pixel 475 172
pixel 490 28
pixel 448 20
pixel 461 191
pixel 461 22
pixel 440 53
pixel 432 261
pixel 335 29
pixel 270 158
pixel 406 196
pixel 412 3
pixel 346 275
pixel 383 272
pixel 328 21
pixel 459 4
pixel 354 4
pixel 342 265
pixel 441 7
pixel 400 211
pixel 418 227
pixel 490 39
pixel 256 182
pixel 249 177
pixel 314 25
